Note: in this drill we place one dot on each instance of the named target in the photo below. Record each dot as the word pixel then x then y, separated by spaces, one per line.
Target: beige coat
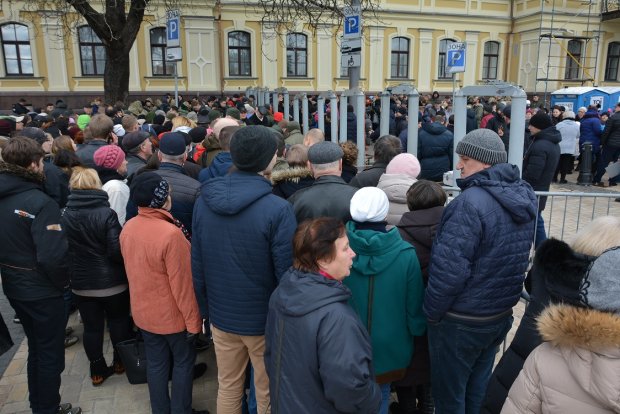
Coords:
pixel 396 187
pixel 576 370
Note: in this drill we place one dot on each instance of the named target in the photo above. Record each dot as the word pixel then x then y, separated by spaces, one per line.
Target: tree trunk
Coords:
pixel 116 75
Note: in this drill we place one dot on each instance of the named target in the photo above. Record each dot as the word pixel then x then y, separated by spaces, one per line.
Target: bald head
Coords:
pixel 314 136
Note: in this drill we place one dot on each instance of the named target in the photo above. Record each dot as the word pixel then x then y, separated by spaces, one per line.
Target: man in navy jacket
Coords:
pixel 476 272
pixel 241 246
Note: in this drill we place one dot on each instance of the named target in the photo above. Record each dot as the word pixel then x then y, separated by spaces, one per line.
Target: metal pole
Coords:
pixel 333 105
pixel 296 108
pixel 274 100
pixel 321 111
pixel 304 113
pixel 460 126
pixel 287 110
pixel 412 123
pixel 259 97
pixel 266 97
pixel 517 130
pixel 361 127
pixel 384 124
pixel 176 85
pixel 342 116
pixel 354 72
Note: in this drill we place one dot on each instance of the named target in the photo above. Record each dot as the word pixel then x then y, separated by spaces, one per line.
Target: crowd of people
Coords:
pixel 323 289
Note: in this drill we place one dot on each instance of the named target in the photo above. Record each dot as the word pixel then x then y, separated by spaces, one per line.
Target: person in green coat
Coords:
pixel 386 283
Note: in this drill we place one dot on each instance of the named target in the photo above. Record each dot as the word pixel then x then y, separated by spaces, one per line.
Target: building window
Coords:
pixel 239 53
pixel 16 49
pixel 296 54
pixel 159 62
pixel 400 58
pixel 573 59
pixel 613 61
pixel 443 47
pixel 490 60
pixel 92 52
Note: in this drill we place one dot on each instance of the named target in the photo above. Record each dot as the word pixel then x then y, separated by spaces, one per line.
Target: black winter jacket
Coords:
pixel 351 127
pixel 435 145
pixel 370 176
pixel 33 256
pixel 554 261
pixel 86 152
pixel 93 231
pixel 56 183
pixel 287 182
pixel 184 191
pixel 611 134
pixel 540 161
pixel 329 196
pixel 317 352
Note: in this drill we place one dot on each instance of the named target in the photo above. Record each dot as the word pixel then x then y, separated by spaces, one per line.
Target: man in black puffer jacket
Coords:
pixel 435 143
pixel 610 141
pixel 33 266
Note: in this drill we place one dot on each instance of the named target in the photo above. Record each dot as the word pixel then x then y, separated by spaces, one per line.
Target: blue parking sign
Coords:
pixel 455 57
pixel 173 38
pixel 352 22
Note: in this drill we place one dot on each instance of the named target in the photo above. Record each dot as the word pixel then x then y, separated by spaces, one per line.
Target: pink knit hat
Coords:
pixel 109 156
pixel 407 164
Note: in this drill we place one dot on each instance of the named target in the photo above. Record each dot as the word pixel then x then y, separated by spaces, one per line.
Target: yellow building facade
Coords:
pixel 227 49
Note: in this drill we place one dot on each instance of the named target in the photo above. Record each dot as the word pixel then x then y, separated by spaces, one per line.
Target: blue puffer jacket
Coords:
pixel 590 130
pixel 184 191
pixel 317 352
pixel 241 246
pixel 218 168
pixel 435 145
pixel 481 251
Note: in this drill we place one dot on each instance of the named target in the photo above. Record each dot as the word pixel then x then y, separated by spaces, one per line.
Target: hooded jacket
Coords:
pixel 93 232
pixel 294 134
pixel 540 161
pixel 33 257
pixel 395 187
pixel 482 246
pixel 611 134
pixel 576 370
pixel 286 182
pixel 590 130
pixel 555 263
pixel 219 167
pixel 351 127
pixel 317 352
pixel 387 288
pixel 241 246
pixel 435 145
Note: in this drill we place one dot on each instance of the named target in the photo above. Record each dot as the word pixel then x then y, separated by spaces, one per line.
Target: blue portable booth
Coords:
pixel 612 96
pixel 572 98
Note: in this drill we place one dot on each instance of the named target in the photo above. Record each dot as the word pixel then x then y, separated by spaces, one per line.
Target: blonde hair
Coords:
pixel 84 179
pixel 601 234
pixel 181 120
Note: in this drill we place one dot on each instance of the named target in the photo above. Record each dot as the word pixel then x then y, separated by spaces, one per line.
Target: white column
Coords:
pixel 471 74
pixel 55 58
pixel 377 58
pixel 200 51
pixel 134 72
pixel 426 56
pixel 324 60
pixel 269 57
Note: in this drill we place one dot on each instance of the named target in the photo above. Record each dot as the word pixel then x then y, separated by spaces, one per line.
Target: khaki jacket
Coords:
pixel 576 370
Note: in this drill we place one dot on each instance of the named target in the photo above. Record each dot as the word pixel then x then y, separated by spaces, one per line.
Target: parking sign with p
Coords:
pixel 455 57
pixel 173 38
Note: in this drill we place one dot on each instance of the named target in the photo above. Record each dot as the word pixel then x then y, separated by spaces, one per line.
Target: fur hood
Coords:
pixel 12 169
pixel 573 327
pixel 294 174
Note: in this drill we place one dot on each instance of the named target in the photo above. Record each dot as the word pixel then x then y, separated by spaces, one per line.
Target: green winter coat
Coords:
pixel 387 288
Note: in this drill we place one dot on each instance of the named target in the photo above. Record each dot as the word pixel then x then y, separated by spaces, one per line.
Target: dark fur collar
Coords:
pixel 294 174
pixel 24 173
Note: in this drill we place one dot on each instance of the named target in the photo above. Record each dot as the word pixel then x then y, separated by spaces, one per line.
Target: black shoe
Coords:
pixel 68 331
pixel 201 345
pixel 563 182
pixel 617 200
pixel 612 184
pixel 66 408
pixel 199 370
pixel 200 411
pixel 16 320
pixel 71 340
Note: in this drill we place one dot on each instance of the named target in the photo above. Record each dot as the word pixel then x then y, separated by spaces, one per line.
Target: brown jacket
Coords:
pixel 158 263
pixel 576 370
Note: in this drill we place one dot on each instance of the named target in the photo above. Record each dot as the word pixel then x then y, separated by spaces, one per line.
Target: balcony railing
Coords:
pixel 610 10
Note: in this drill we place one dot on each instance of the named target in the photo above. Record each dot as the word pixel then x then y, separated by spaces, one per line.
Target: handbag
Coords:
pixel 133 356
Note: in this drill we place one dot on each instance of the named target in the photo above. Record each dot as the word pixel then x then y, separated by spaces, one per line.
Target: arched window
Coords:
pixel 443 47
pixel 490 60
pixel 296 54
pixel 400 58
pixel 159 62
pixel 239 54
pixel 613 61
pixel 92 52
pixel 16 49
pixel 573 59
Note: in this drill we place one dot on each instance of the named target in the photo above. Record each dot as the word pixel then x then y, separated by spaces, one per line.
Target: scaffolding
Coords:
pixel 563 48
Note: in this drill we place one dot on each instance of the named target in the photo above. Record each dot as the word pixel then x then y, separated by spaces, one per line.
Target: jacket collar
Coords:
pixel 171 167
pixel 21 172
pixel 155 213
pixel 328 179
pixel 573 327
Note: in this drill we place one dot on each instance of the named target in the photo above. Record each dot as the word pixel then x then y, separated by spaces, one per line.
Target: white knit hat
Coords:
pixel 369 204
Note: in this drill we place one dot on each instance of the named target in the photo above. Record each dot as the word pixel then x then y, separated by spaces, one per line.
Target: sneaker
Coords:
pixel 599 184
pixel 612 184
pixel 71 340
pixel 68 331
pixel 201 345
pixel 16 320
pixel 563 182
pixel 199 370
pixel 66 408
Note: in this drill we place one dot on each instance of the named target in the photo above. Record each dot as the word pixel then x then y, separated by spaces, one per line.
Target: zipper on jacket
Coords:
pixel 371 295
pixel 278 364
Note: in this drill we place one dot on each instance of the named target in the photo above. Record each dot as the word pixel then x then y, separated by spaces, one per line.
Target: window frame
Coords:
pixel 239 49
pixel 93 46
pixel 18 52
pixel 164 60
pixel 572 70
pixel 441 58
pixel 487 60
pixel 616 60
pixel 398 55
pixel 297 51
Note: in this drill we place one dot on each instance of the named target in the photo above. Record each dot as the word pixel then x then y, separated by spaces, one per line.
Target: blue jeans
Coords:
pixel 160 349
pixel 43 321
pixel 385 398
pixel 462 356
pixel 541 234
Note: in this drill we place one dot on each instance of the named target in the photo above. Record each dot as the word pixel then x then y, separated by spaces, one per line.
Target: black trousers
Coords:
pixel 43 321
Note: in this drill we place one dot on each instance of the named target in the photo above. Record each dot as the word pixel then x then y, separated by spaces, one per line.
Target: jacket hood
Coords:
pixel 301 293
pixel 434 128
pixel 293 174
pixel 396 186
pixel 502 182
pixel 375 251
pixel 427 221
pixel 573 327
pixel 232 193
pixel 592 113
pixel 293 126
pixel 211 143
pixel 549 134
pixel 87 199
pixel 15 179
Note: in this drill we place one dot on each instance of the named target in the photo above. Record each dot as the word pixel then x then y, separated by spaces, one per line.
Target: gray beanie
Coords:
pixel 483 145
pixel 252 148
pixel 324 153
pixel 600 288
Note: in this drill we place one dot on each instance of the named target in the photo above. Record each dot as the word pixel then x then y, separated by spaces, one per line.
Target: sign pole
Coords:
pixel 176 85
